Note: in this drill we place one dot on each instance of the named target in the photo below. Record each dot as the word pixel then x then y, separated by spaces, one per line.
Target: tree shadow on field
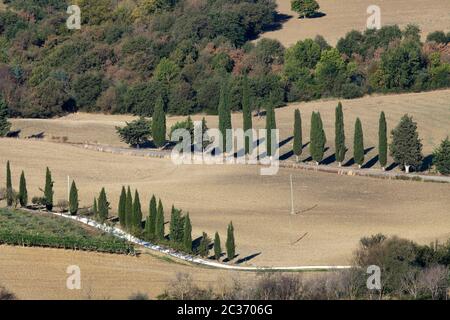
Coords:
pixel 196 243
pixel 427 162
pixel 352 162
pixel 329 160
pixel 248 258
pixel 279 20
pixel 369 164
pixel 285 141
pixel 392 166
pixel 315 15
pixel 228 260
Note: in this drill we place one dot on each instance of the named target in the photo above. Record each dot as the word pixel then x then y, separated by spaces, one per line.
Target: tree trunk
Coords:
pixel 340 164
pixel 407 168
pixel 296 159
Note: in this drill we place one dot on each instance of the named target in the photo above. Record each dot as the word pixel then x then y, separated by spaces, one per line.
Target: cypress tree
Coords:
pixel 23 193
pixel 340 135
pixel 217 246
pixel 159 230
pixel 270 126
pixel 406 147
pixel 73 199
pixel 247 115
pixel 298 135
pixel 137 213
pixel 9 188
pixel 176 226
pixel 382 141
pixel 317 137
pixel 159 123
pixel 441 157
pixel 230 244
pixel 187 234
pixel 5 126
pixel 203 248
pixel 103 206
pixel 123 208
pixel 48 190
pixel 129 209
pixel 95 209
pixel 224 112
pixel 358 144
pixel 153 212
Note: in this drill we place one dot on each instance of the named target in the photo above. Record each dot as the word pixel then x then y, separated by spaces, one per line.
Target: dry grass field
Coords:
pixel 343 16
pixel 36 273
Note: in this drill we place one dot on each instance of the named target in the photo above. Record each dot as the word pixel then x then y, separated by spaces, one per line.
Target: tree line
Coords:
pixel 130 217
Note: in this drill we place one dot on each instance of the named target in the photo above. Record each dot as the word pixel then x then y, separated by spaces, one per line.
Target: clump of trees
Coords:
pixel 305 8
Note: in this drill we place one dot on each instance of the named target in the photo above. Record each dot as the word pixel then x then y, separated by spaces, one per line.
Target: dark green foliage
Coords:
pixel 95 208
pixel 341 149
pixel 298 134
pixel 382 141
pixel 48 190
pixel 159 124
pixel 203 248
pixel 406 147
pixel 150 224
pixel 305 8
pixel 187 234
pixel 230 244
pixel 441 157
pixel 270 128
pixel 5 125
pixel 247 115
pixel 73 199
pixel 160 223
pixel 438 37
pixel 217 247
pixel 103 206
pixel 176 226
pixel 136 132
pixel 358 143
pixel 129 209
pixel 9 188
pixel 23 193
pixel 137 214
pixel 317 137
pixel 224 111
pixel 123 208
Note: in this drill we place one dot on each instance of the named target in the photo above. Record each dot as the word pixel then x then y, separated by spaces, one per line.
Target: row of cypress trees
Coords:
pixel 318 138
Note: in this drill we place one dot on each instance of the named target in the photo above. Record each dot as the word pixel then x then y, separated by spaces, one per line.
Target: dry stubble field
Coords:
pixel 346 15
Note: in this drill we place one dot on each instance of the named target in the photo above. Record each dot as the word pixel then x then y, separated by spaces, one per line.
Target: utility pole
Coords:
pixel 292 198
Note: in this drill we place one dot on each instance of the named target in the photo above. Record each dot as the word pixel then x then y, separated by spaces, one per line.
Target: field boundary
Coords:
pixel 117 232
pixel 373 173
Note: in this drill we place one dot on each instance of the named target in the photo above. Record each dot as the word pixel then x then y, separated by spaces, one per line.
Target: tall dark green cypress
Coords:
pixel 153 212
pixel 230 244
pixel 137 213
pixel 160 232
pixel 123 208
pixel 217 246
pixel 224 112
pixel 23 193
pixel 73 199
pixel 317 138
pixel 176 226
pixel 5 125
pixel 247 115
pixel 382 141
pixel 48 190
pixel 159 123
pixel 358 144
pixel 271 125
pixel 95 208
pixel 341 149
pixel 187 234
pixel 298 135
pixel 103 206
pixel 9 188
pixel 203 248
pixel 129 209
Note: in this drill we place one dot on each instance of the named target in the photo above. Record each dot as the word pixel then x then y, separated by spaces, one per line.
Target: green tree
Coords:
pixel 271 126
pixel 48 190
pixel 305 8
pixel 341 149
pixel 5 125
pixel 176 226
pixel 298 135
pixel 123 208
pixel 382 141
pixel 160 232
pixel 224 112
pixel 9 188
pixel 129 209
pixel 103 206
pixel 247 115
pixel 73 199
pixel 217 247
pixel 137 214
pixel 230 244
pixel 23 193
pixel 317 138
pixel 95 208
pixel 136 132
pixel 406 147
pixel 441 157
pixel 166 71
pixel 187 234
pixel 150 225
pixel 203 248
pixel 331 72
pixel 159 124
pixel 358 144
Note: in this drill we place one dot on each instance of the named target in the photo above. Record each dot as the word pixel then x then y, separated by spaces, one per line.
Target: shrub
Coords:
pixel 441 157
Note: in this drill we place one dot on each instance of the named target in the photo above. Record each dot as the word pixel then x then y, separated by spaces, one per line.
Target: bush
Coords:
pixel 441 157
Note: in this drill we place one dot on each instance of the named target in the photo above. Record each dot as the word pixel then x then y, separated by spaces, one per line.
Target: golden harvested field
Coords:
pixel 344 16
pixel 36 273
pixel 431 110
